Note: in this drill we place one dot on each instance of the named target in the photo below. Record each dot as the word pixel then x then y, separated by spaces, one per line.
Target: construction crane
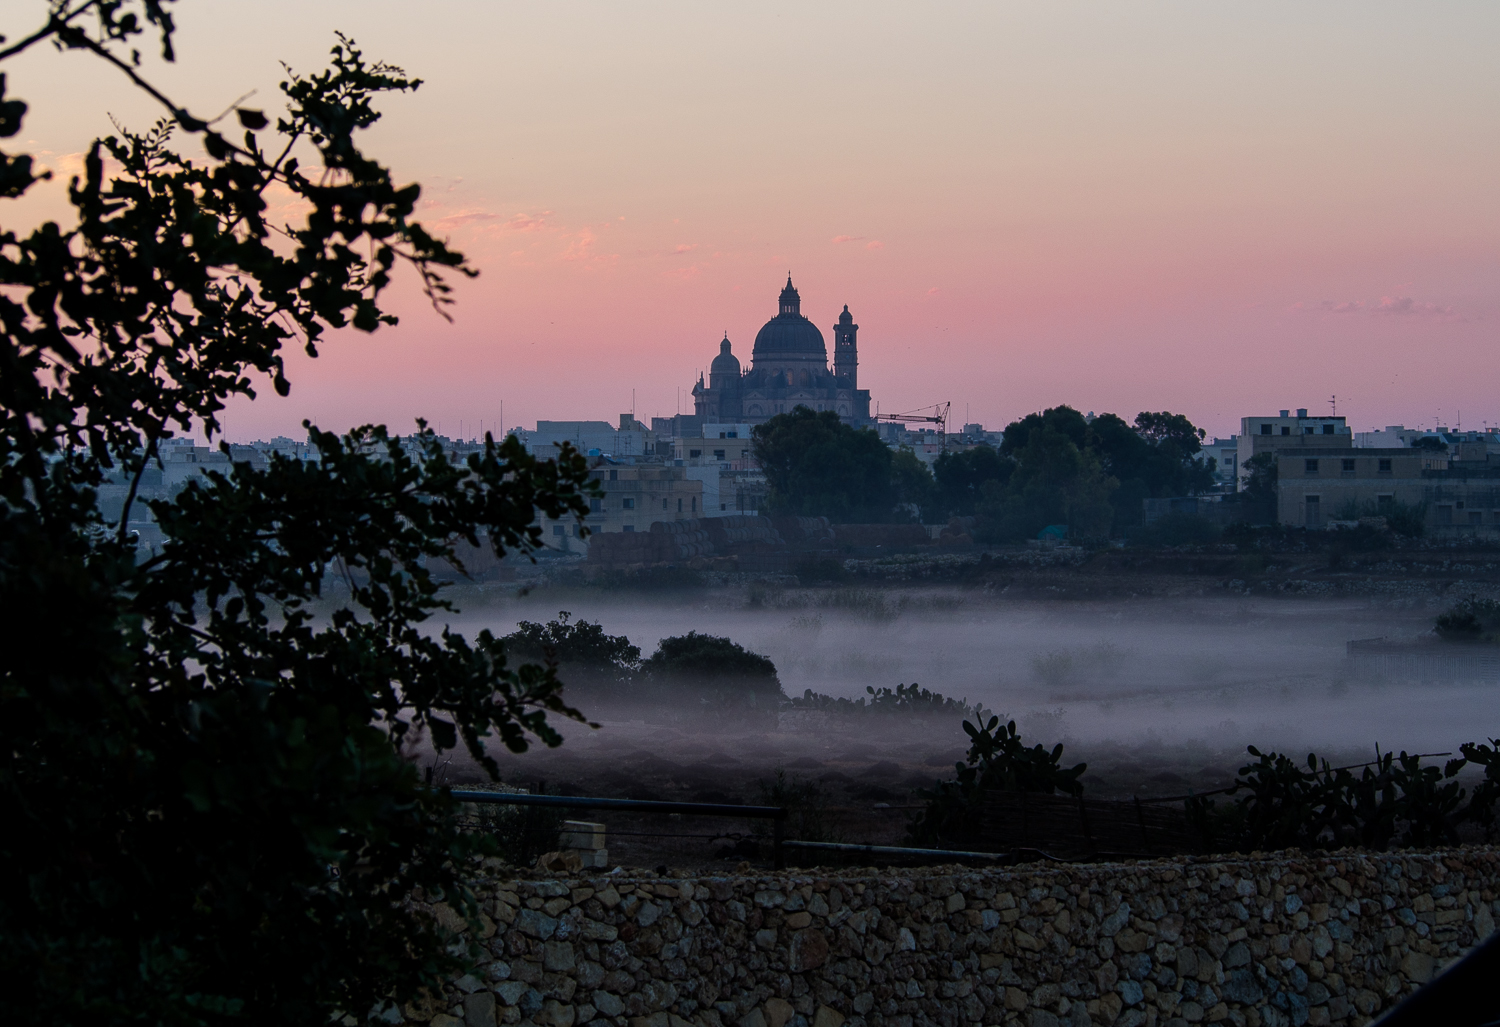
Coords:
pixel 939 417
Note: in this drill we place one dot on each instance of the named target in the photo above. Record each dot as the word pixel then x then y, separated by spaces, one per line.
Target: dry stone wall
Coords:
pixel 1286 939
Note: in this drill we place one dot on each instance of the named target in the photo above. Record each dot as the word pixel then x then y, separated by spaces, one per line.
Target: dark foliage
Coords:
pixel 1057 467
pixel 997 761
pixel 209 813
pixel 902 701
pixel 589 657
pixel 961 477
pixel 805 802
pixel 1395 800
pixel 817 466
pixel 709 675
pixel 1469 620
pixel 916 491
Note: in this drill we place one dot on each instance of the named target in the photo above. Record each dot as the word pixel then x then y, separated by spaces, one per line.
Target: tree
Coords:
pixel 961 477
pixel 1055 482
pixel 915 489
pixel 211 810
pixel 592 658
pixel 716 675
pixel 817 466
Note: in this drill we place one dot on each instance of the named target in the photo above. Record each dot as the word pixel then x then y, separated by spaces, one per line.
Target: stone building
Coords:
pixel 1271 434
pixel 789 368
pixel 634 497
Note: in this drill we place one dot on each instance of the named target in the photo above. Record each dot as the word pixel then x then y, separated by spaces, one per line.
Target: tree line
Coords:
pixel 1052 467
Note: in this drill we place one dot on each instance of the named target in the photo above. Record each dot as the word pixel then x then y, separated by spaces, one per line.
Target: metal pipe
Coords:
pixel 894 850
pixel 700 809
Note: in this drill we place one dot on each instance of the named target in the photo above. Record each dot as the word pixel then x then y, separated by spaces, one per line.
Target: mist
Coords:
pixel 1214 672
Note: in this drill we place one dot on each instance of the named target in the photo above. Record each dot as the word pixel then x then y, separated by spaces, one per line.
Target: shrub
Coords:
pixel 997 761
pixel 581 649
pixel 1469 620
pixel 720 675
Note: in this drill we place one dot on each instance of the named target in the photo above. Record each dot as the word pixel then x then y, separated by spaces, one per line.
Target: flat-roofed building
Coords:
pixel 1287 431
pixel 634 497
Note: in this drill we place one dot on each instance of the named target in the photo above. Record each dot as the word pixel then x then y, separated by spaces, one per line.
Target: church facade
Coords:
pixel 788 368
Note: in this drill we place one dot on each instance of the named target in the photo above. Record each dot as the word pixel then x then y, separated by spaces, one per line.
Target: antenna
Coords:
pixel 1333 401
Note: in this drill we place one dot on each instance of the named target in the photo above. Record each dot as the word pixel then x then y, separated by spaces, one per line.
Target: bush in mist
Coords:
pixel 1469 620
pixel 208 814
pixel 584 653
pixel 714 673
pixel 902 701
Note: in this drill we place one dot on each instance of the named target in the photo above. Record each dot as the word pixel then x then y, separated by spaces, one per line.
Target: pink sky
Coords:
pixel 1210 209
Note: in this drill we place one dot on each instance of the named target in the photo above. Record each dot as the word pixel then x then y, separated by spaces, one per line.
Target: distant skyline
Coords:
pixel 1218 210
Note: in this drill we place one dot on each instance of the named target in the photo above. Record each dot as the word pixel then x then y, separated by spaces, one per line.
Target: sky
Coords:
pixel 1220 210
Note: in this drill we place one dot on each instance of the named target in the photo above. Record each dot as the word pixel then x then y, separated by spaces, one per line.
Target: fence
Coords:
pixel 1424 661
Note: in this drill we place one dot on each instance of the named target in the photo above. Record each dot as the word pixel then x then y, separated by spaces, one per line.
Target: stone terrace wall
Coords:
pixel 1284 939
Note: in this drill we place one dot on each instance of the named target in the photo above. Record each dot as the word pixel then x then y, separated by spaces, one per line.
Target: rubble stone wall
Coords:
pixel 1286 939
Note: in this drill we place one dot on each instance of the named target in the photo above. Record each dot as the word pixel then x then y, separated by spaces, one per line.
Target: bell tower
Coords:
pixel 845 350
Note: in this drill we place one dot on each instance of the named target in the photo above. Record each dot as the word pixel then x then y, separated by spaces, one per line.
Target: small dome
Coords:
pixel 726 362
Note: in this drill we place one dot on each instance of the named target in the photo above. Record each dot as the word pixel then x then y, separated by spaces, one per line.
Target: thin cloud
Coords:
pixel 693 271
pixel 684 247
pixel 840 239
pixel 874 244
pixel 1405 306
pixel 1346 307
pixel 934 291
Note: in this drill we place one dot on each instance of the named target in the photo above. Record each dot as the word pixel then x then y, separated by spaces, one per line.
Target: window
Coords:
pixel 628 527
pixel 1314 506
pixel 1285 430
pixel 1348 466
pixel 695 506
pixel 614 475
pixel 733 435
pixel 596 505
pixel 557 529
pixel 1445 515
pixel 1383 467
pixel 627 504
pixel 1476 517
pixel 722 435
pixel 663 504
pixel 1327 429
pixel 718 454
pixel 695 452
pixel 1265 429
pixel 679 505
pixel 1309 467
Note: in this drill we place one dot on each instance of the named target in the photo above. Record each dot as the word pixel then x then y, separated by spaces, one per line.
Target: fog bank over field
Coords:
pixel 1218 672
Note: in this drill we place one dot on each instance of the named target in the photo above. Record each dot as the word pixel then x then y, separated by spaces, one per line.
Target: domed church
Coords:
pixel 788 368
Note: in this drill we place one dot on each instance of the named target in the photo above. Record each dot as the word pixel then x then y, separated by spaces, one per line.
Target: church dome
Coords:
pixel 789 334
pixel 725 363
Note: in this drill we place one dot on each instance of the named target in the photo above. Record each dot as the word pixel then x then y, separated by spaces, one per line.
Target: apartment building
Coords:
pixel 1458 496
pixel 1287 431
pixel 634 497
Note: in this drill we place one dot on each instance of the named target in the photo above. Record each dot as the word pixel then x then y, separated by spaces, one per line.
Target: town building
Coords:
pixel 1225 453
pixel 1285 431
pixel 788 368
pixel 1455 492
pixel 635 495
